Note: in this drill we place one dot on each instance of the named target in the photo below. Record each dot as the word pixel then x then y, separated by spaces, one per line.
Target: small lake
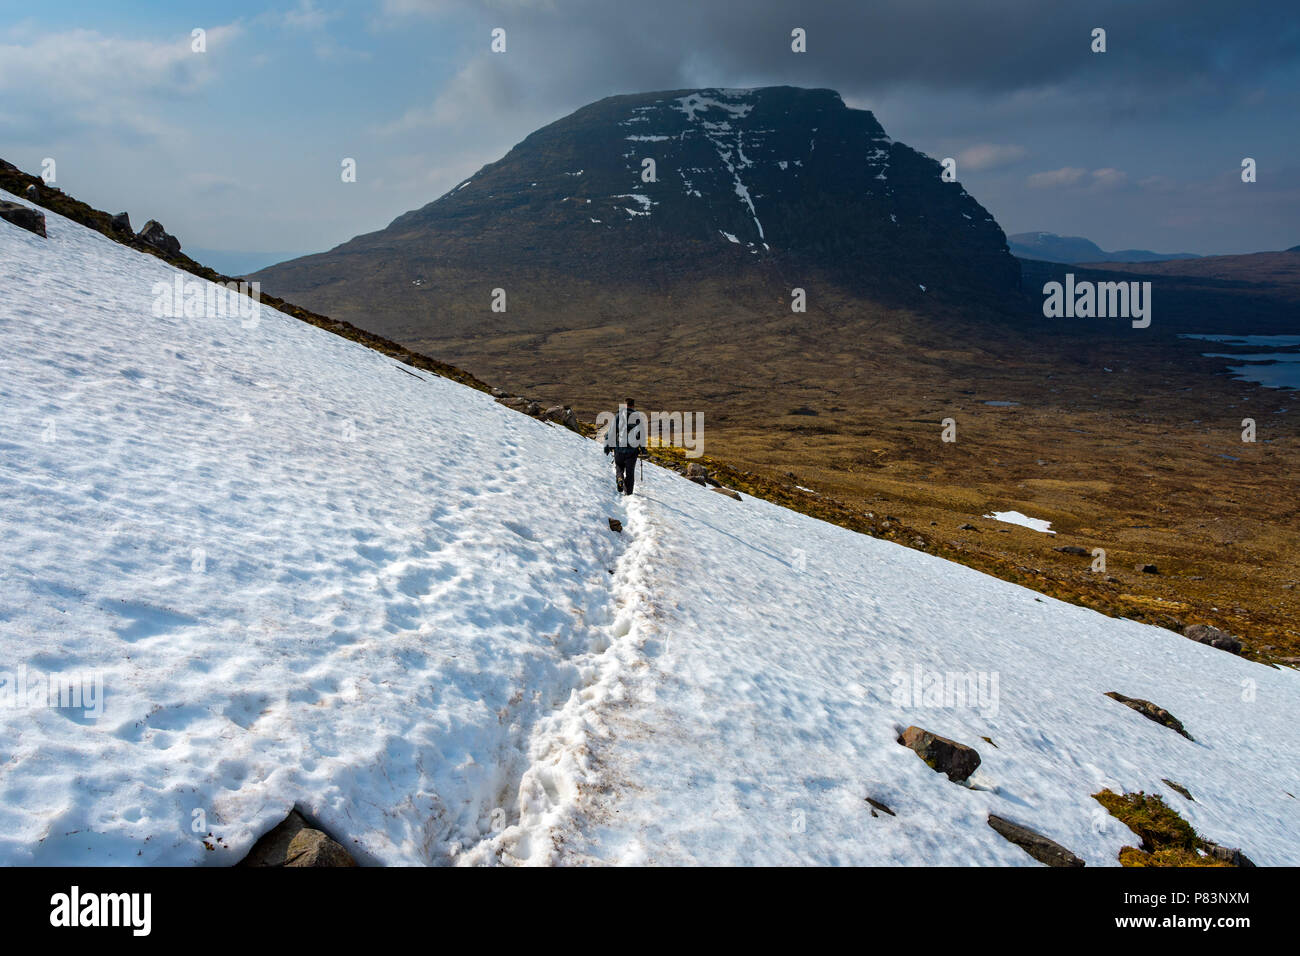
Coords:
pixel 1277 367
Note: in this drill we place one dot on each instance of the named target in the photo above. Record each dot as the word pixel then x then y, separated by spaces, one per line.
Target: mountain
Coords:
pixel 1049 247
pixel 305 574
pixel 780 183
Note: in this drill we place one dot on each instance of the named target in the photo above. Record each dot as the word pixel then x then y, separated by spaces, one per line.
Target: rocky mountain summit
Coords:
pixel 660 188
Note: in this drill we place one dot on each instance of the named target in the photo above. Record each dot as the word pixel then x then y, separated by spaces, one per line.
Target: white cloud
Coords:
pixel 1096 179
pixel 1108 178
pixel 989 156
pixel 1065 176
pixel 308 16
pixel 88 78
pixel 484 87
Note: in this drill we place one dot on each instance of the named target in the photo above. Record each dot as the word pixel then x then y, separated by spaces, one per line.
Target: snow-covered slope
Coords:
pixel 307 575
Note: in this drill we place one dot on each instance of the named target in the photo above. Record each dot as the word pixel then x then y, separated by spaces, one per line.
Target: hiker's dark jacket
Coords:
pixel 626 436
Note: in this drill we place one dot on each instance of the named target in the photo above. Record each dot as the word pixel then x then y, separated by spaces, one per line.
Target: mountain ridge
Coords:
pixel 781 182
pixel 1051 247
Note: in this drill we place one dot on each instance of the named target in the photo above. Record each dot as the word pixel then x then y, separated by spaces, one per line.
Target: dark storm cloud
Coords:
pixel 1174 49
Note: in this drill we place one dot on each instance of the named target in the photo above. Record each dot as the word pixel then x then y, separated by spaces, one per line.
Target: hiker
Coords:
pixel 626 438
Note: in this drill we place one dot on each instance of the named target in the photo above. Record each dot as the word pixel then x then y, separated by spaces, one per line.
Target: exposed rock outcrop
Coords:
pixel 1204 634
pixel 1034 843
pixel 1151 712
pixel 941 754
pixel 295 842
pixel 24 217
pixel 155 235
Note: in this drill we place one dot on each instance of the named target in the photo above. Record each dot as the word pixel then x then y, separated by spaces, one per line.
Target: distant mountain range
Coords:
pixel 1049 247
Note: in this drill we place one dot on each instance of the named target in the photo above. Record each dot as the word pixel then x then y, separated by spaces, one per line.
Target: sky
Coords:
pixel 238 148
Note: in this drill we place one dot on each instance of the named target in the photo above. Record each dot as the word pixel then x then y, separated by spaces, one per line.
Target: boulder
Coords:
pixel 1230 855
pixel 24 217
pixel 294 842
pixel 1146 568
pixel 615 525
pixel 728 492
pixel 1204 634
pixel 155 235
pixel 941 754
pixel 696 470
pixel 1075 550
pixel 1035 844
pixel 533 409
pixel 561 415
pixel 314 848
pixel 1151 712
pixel 122 223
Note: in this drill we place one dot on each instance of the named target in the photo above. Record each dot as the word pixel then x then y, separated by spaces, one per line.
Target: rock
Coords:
pixel 877 805
pixel 1075 550
pixel 698 480
pixel 122 223
pixel 615 525
pixel 1204 634
pixel 967 527
pixel 1035 844
pixel 696 470
pixel 728 492
pixel 314 848
pixel 941 754
pixel 24 217
pixel 1230 855
pixel 1146 568
pixel 516 403
pixel 533 409
pixel 294 842
pixel 499 393
pixel 1179 788
pixel 155 235
pixel 32 193
pixel 562 415
pixel 1151 712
